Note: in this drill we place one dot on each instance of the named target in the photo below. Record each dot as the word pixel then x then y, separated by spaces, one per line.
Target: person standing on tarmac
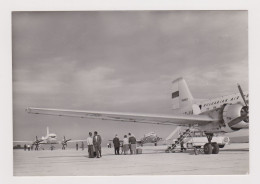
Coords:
pixel 77 146
pixel 132 144
pixel 29 147
pixel 116 143
pixel 125 144
pixel 97 144
pixel 90 146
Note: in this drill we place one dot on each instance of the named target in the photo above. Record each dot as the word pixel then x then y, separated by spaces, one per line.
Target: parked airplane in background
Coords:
pixel 50 139
pixel 223 114
pixel 150 137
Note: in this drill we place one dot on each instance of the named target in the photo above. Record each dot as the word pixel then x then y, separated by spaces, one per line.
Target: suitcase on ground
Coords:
pixel 138 151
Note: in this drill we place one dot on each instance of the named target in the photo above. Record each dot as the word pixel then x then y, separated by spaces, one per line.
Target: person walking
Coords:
pixel 90 146
pixel 132 144
pixel 125 144
pixel 77 146
pixel 116 143
pixel 97 144
pixel 25 147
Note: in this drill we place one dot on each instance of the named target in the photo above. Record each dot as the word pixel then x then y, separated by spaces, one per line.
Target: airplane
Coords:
pixel 218 115
pixel 50 139
pixel 150 137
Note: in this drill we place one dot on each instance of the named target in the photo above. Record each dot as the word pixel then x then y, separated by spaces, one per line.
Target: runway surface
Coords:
pixel 231 160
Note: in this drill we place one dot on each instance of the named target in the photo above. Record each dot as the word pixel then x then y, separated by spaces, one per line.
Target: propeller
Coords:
pixel 244 110
pixel 37 142
pixel 243 97
pixel 64 142
pixel 237 120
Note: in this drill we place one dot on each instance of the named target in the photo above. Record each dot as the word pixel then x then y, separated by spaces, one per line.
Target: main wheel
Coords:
pixel 207 148
pixel 215 148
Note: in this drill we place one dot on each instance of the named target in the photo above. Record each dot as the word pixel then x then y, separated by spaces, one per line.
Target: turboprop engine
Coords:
pixel 236 116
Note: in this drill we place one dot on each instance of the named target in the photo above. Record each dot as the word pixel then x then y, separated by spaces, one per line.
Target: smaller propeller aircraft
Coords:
pixel 150 137
pixel 50 139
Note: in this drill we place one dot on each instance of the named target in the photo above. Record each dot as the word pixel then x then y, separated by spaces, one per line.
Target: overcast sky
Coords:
pixel 121 61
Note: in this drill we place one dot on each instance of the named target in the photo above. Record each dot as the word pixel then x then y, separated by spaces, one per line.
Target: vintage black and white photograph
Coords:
pixel 130 93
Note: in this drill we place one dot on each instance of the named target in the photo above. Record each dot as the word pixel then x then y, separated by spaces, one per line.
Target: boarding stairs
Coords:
pixel 183 135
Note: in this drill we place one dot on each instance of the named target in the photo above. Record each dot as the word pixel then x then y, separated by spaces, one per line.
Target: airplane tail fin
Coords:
pixel 181 96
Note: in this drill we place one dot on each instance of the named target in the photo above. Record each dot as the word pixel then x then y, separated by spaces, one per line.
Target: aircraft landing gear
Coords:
pixel 215 148
pixel 211 148
pixel 207 148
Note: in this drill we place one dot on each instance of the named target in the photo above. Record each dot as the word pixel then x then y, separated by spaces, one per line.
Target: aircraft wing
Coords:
pixel 22 141
pixel 84 140
pixel 181 120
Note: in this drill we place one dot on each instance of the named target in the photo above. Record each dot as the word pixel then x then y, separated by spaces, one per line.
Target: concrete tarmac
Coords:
pixel 231 160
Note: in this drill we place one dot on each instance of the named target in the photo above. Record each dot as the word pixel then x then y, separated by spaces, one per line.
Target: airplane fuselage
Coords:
pixel 50 139
pixel 225 109
pixel 150 138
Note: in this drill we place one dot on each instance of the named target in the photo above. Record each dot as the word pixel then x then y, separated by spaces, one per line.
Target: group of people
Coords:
pixel 94 145
pixel 127 144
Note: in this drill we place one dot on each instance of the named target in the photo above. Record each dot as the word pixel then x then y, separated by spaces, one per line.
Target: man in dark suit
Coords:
pixel 132 144
pixel 97 144
pixel 116 143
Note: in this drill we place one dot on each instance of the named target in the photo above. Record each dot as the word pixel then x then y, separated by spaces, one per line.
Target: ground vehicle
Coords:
pixel 196 139
pixel 199 139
